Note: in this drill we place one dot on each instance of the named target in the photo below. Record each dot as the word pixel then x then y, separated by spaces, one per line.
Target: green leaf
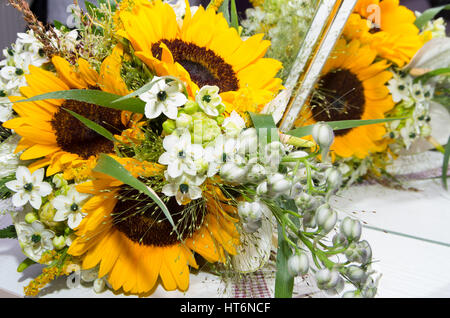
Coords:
pixel 93 97
pixel 337 125
pixel 428 15
pixel 425 77
pixel 5 192
pixel 147 87
pixel 92 125
pixel 234 16
pixel 25 264
pixel 8 232
pixel 265 124
pixel 225 9
pixel 111 167
pixel 445 164
pixel 58 24
pixel 284 282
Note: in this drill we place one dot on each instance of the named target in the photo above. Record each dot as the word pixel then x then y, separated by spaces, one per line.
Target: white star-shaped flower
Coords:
pixel 68 207
pixel 208 99
pixel 180 155
pixel 35 239
pixel 163 98
pixel 29 187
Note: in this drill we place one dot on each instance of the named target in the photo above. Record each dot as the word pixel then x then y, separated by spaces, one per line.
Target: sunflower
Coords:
pixel 133 243
pixel 203 51
pixel 352 86
pixel 51 134
pixel 388 28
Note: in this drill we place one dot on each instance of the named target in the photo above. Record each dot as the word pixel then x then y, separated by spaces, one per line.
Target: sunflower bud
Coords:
pixel 326 218
pixel 298 264
pixel 351 229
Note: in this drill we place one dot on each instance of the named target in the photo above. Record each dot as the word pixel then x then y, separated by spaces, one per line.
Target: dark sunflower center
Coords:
pixel 202 64
pixel 74 137
pixel 143 222
pixel 341 98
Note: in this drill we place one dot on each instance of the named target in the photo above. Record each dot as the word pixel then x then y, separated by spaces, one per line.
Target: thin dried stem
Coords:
pixel 37 27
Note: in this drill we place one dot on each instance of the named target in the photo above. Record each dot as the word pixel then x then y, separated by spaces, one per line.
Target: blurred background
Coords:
pixel 49 10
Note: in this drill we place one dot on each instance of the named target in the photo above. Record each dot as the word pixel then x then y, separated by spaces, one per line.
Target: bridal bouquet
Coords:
pixel 136 145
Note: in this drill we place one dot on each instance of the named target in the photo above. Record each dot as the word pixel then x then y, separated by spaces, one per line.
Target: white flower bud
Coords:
pixel 323 134
pixel 304 201
pixel 257 173
pixel 370 288
pixel 59 180
pixel 334 178
pixel 99 285
pixel 298 264
pixel 262 189
pixel 309 219
pixel 351 229
pixel 326 218
pixel 59 242
pixel 365 246
pixel 339 239
pixel 359 252
pixel 244 209
pixel 278 183
pixel 184 121
pixel 231 172
pixel 327 279
pixel 356 274
pixel 89 275
pixel 30 217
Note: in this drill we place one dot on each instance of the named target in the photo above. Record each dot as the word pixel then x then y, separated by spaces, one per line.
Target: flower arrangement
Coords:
pixel 135 146
pixel 373 72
